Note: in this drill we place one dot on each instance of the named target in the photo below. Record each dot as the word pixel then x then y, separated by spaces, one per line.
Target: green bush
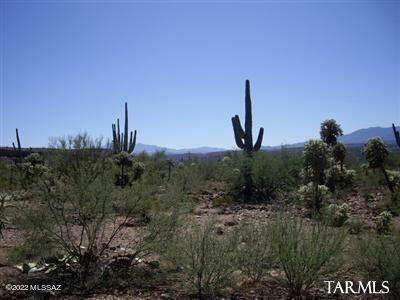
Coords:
pixel 83 212
pixel 305 252
pixel 383 222
pixel 255 256
pixel 273 174
pixel 377 258
pixel 205 260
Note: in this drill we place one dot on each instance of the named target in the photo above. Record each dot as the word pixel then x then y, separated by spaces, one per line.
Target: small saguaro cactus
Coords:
pixel 396 135
pixel 244 138
pixel 120 140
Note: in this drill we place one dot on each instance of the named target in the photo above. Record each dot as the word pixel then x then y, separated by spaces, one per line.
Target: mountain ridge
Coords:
pixel 359 136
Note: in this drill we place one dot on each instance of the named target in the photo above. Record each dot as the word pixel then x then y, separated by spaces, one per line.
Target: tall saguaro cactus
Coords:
pixel 120 140
pixel 18 141
pixel 244 138
pixel 396 134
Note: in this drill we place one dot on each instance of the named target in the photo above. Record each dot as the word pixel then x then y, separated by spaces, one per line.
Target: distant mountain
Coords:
pixel 362 135
pixel 356 137
pixel 150 149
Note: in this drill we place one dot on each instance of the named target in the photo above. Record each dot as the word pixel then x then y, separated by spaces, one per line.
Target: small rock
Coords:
pixel 165 296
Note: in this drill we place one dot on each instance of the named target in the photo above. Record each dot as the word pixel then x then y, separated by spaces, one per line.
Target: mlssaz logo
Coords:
pixel 358 287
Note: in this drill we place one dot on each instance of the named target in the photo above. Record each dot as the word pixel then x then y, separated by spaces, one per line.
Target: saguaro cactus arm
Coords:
pixel 258 143
pixel 396 135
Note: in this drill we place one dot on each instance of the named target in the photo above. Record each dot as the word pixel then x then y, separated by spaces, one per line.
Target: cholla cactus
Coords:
pixel 338 214
pixel 394 178
pixel 339 153
pixel 125 161
pixel 138 170
pixel 376 152
pixel 33 167
pixel 339 177
pixel 383 222
pixel 316 158
pixel 365 168
pixel 313 195
pixel 329 132
pixel 34 159
pixel 226 159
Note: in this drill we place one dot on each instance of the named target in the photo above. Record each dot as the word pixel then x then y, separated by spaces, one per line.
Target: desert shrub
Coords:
pixel 368 183
pixel 355 225
pixel 205 260
pixel 7 176
pixel 82 212
pixel 305 252
pixel 187 178
pixel 3 215
pixel 337 214
pixel 313 195
pixel 383 222
pixel 392 201
pixel 255 256
pixel 272 174
pixel 377 258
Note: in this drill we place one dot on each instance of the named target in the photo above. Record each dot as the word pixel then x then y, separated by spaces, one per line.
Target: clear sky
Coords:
pixel 69 66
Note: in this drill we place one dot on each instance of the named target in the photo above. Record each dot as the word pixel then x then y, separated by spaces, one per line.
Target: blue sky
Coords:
pixel 69 66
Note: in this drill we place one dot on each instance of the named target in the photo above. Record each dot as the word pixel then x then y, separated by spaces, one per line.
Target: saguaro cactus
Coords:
pixel 17 150
pixel 120 140
pixel 396 134
pixel 244 138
